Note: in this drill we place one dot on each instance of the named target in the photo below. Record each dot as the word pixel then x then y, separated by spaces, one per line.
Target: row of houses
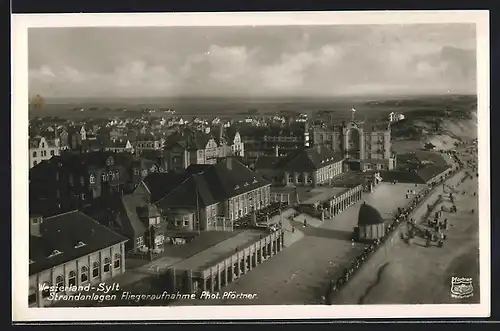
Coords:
pixel 88 246
pixel 176 151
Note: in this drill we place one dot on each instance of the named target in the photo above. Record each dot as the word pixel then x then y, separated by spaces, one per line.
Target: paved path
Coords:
pixel 300 273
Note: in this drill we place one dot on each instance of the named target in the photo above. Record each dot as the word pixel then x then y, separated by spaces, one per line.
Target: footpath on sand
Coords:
pixel 399 273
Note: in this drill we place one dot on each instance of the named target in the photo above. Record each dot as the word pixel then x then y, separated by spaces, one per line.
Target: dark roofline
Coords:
pixel 64 258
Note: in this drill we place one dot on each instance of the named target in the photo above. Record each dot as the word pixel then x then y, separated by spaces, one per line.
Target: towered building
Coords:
pixel 68 252
pixel 365 146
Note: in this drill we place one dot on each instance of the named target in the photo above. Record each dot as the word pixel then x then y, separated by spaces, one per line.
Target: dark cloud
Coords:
pixel 311 60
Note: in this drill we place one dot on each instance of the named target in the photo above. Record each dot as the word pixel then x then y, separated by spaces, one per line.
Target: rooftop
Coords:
pixel 301 160
pixel 323 194
pixel 203 185
pixel 368 215
pixel 220 251
pixel 66 237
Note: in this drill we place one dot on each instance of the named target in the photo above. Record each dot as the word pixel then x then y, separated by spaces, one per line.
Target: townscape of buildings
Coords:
pixel 104 191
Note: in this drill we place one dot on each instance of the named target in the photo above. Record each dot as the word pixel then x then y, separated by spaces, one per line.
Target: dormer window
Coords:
pixel 55 253
pixel 80 244
pixel 92 179
pixel 237 187
pixel 246 184
pixel 254 181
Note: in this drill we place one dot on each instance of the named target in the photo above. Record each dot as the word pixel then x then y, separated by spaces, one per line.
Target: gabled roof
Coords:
pixel 192 192
pixel 128 214
pixel 116 144
pixel 189 140
pixel 302 160
pixel 203 185
pixel 147 137
pixel 160 184
pixel 62 233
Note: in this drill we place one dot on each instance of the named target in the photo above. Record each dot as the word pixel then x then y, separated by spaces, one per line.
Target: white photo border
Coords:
pixel 19 144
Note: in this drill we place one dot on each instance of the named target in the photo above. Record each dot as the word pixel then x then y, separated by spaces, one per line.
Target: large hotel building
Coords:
pixel 365 146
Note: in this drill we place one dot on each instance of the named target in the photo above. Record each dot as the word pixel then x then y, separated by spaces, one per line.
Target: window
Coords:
pixel 34 154
pixel 52 153
pixel 92 179
pixel 186 223
pixel 59 284
pixel 84 277
pixel 34 163
pixel 44 153
pixel 83 196
pixel 95 270
pixel 137 172
pixel 72 278
pixel 43 145
pixel 140 242
pixel 107 264
pixel 55 252
pixel 80 244
pixel 117 262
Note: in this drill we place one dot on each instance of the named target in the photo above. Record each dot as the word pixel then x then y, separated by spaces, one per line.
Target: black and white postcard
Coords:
pixel 251 165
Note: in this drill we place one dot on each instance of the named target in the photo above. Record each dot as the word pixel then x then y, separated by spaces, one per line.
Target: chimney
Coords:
pixel 229 163
pixel 36 226
pixel 276 151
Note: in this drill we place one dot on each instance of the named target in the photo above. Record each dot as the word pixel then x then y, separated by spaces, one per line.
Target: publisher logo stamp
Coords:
pixel 461 287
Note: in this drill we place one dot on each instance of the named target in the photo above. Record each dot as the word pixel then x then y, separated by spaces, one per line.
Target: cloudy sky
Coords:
pixel 252 61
